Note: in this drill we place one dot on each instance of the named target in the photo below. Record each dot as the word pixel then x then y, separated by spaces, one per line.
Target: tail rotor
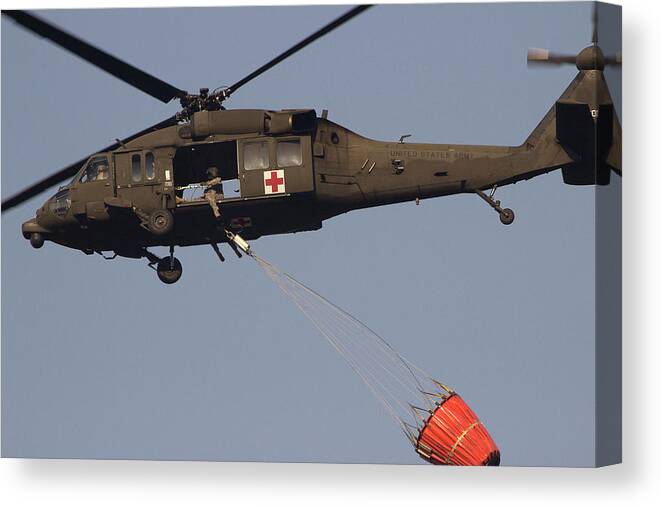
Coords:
pixel 589 58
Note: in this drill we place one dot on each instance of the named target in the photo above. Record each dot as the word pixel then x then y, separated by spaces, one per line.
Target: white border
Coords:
pixel 113 483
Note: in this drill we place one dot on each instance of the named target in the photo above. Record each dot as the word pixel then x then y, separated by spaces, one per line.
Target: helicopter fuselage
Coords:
pixel 292 170
pixel 335 172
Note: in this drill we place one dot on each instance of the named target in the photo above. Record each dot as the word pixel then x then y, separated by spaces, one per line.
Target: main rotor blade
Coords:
pixel 71 170
pixel 297 47
pixel 126 72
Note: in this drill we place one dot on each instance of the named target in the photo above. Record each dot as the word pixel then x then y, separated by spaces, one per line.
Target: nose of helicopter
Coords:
pixel 34 232
pixel 40 228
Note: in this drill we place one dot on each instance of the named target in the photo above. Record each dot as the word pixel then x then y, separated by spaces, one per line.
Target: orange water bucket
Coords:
pixel 453 435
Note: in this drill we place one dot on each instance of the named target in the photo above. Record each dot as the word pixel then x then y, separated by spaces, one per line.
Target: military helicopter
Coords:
pixel 292 168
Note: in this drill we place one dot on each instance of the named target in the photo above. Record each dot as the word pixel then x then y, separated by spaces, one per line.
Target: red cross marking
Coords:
pixel 274 182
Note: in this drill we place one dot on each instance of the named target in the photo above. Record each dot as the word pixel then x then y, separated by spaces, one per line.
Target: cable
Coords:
pixel 399 385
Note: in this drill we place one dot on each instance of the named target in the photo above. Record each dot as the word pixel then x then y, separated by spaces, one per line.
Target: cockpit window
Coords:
pixel 256 155
pixel 97 169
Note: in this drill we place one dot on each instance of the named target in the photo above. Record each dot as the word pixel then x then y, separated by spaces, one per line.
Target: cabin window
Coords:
pixel 136 170
pixel 96 170
pixel 256 155
pixel 150 171
pixel 289 153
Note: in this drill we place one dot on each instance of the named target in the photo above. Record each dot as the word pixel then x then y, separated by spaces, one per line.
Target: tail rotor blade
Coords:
pixel 544 56
pixel 615 60
pixel 538 55
pixel 595 24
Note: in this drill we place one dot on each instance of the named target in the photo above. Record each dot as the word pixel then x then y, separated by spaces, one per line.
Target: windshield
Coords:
pixel 96 169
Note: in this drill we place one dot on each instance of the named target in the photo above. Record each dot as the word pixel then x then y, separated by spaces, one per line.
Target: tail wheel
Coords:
pixel 169 272
pixel 161 222
pixel 507 216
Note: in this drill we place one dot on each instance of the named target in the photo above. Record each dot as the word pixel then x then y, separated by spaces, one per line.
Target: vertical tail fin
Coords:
pixel 584 125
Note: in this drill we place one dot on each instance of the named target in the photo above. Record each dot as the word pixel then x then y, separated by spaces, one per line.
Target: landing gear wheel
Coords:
pixel 507 216
pixel 161 222
pixel 169 273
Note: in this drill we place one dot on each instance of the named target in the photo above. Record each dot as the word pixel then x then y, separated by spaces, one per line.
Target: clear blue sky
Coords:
pixel 100 359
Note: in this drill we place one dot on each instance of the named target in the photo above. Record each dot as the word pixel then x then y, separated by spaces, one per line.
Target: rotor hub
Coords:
pixel 204 101
pixel 590 58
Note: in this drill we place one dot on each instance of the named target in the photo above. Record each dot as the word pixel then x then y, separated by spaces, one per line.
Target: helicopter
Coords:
pixel 292 169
